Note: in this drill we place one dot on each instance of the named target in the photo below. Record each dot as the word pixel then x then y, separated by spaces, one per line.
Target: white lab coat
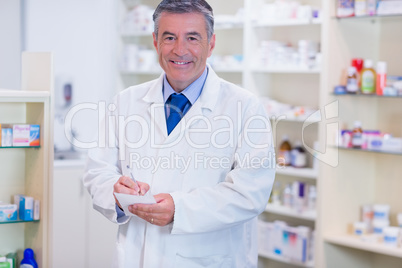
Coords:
pixel 217 194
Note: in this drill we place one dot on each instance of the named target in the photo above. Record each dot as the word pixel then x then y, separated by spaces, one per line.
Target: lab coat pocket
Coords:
pixel 214 261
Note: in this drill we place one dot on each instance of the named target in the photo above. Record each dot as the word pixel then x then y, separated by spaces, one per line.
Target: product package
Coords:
pixel 21 135
pixel 26 208
pixel 8 212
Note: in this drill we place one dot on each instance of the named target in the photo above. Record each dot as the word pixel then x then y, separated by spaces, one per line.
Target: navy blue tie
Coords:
pixel 176 104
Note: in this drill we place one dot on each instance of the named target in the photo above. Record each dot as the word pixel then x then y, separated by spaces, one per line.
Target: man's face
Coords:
pixel 183 47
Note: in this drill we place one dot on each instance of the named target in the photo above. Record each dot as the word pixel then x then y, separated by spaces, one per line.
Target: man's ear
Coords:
pixel 155 42
pixel 211 45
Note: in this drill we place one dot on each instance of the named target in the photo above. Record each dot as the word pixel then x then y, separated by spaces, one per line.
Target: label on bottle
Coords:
pixel 284 158
pixel 368 85
pixel 357 140
pixel 352 85
pixel 26 266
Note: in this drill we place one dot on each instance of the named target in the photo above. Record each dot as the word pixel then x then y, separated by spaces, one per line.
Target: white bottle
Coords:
pixel 287 196
pixel 312 198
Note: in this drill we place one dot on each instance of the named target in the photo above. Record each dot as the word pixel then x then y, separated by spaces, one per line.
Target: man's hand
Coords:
pixel 159 214
pixel 125 185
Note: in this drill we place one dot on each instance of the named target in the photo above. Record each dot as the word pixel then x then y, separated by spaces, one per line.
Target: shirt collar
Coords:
pixel 192 92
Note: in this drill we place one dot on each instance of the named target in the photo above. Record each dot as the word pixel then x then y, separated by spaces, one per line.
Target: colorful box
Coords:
pixel 8 212
pixel 34 135
pixel 21 135
pixel 26 208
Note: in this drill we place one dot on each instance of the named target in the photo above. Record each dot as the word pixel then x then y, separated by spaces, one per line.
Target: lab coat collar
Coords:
pixel 207 100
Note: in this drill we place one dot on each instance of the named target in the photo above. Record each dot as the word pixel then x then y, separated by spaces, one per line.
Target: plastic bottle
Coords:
pixel 358 64
pixel 368 78
pixel 29 260
pixel 381 77
pixel 284 152
pixel 357 135
pixel 312 198
pixel 298 156
pixel 275 196
pixel 352 84
pixel 287 196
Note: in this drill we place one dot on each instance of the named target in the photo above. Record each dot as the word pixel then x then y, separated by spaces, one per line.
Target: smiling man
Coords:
pixel 207 203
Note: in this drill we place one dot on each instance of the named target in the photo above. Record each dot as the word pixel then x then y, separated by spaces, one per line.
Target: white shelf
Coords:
pixel 9 93
pixel 286 70
pixel 136 34
pixel 355 242
pixel 308 173
pixel 288 22
pixel 152 72
pixel 286 211
pixel 274 257
pixel 229 26
pixel 227 70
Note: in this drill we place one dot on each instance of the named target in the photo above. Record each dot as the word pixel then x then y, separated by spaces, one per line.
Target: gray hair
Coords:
pixel 185 6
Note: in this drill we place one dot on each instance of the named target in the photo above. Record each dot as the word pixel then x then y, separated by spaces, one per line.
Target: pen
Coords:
pixel 132 177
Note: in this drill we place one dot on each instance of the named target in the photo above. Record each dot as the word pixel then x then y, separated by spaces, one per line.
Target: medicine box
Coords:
pixel 21 135
pixel 34 135
pixel 8 212
pixel 26 208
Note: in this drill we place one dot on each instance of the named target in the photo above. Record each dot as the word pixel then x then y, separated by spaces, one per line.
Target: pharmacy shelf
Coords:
pixel 369 151
pixel 275 257
pixel 373 17
pixel 229 26
pixel 152 72
pixel 307 173
pixel 289 212
pixel 289 22
pixel 8 93
pixel 16 147
pixel 227 70
pixel 17 221
pixel 355 242
pixel 136 34
pixel 286 70
pixel 368 95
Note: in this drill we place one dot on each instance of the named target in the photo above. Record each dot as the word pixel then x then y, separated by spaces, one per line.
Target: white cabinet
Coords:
pixel 26 170
pixel 361 177
pixel 82 237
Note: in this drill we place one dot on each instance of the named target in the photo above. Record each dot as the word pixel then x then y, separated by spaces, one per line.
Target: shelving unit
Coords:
pixel 282 260
pixel 286 211
pixel 29 170
pixel 361 177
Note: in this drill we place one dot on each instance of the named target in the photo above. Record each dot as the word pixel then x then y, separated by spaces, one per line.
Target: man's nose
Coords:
pixel 180 47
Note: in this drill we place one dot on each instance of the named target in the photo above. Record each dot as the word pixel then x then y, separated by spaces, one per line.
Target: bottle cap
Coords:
pixel 28 253
pixel 351 70
pixel 358 124
pixel 381 67
pixel 358 63
pixel 368 63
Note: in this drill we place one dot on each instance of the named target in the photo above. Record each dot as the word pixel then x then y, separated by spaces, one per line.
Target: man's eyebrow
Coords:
pixel 168 33
pixel 195 33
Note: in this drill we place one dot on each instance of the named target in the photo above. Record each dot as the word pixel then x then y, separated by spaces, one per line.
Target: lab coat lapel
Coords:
pixel 206 102
pixel 156 110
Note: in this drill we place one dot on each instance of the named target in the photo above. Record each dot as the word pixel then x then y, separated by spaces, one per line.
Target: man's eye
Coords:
pixel 192 39
pixel 170 38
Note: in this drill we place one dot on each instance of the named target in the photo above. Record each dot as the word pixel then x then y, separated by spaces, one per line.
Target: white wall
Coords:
pixel 82 36
pixel 10 44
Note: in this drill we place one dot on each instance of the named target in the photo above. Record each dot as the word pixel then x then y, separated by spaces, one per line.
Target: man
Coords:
pixel 211 174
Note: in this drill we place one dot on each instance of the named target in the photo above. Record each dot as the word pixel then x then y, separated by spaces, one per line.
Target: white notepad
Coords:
pixel 126 200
